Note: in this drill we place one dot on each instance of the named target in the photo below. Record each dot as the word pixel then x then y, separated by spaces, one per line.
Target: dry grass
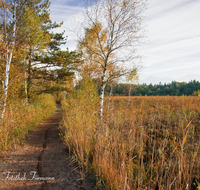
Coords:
pixel 158 139
pixel 153 143
pixel 21 117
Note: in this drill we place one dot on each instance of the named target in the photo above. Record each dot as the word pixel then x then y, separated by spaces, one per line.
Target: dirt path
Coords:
pixel 42 163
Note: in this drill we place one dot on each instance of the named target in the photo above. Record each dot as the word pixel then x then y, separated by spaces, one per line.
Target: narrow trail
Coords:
pixel 42 163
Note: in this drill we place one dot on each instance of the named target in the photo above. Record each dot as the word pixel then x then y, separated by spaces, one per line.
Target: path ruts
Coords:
pixel 42 163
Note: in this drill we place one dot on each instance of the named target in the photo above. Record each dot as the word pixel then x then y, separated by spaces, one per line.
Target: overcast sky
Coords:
pixel 172 46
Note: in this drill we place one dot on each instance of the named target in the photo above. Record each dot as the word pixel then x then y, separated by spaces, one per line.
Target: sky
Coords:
pixel 172 46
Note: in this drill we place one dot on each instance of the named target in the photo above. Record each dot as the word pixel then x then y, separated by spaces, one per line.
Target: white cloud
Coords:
pixel 174 34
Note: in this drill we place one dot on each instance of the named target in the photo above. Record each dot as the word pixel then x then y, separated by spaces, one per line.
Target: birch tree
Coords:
pixel 116 29
pixel 8 35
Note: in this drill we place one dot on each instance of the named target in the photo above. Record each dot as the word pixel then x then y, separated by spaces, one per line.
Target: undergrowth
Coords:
pixel 21 117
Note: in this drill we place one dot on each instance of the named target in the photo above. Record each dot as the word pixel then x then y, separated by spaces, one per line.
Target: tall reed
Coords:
pixel 79 123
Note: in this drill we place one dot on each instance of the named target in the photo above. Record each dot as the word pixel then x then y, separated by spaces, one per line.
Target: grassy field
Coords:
pixel 151 143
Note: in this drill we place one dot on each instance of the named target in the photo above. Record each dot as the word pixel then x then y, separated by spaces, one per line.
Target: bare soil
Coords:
pixel 42 163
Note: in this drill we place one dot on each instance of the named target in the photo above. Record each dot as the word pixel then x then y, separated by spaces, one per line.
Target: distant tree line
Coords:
pixel 172 89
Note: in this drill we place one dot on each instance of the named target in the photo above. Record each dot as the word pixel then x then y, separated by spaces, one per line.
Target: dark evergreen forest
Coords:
pixel 172 89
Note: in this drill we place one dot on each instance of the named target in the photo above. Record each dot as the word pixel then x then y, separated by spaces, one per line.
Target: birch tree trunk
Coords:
pixel 102 94
pixel 6 80
pixel 9 55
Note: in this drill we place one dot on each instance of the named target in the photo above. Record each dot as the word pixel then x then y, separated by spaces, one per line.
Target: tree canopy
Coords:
pixel 31 60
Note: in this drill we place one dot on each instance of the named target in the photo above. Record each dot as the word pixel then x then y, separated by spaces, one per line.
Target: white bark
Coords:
pixel 101 101
pixel 102 94
pixel 5 88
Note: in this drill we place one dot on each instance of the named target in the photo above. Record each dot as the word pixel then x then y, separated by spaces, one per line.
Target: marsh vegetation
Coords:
pixel 152 143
